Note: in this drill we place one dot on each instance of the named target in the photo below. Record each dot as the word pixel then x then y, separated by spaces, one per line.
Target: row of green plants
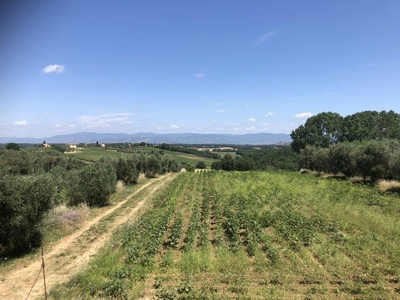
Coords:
pixel 251 234
pixel 35 180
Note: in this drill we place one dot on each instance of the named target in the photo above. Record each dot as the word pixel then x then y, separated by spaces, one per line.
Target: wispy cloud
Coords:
pixel 304 115
pixel 252 120
pixel 106 120
pixel 200 75
pixel 221 111
pixel 21 123
pixel 46 112
pixel 174 126
pixel 266 36
pixel 301 97
pixel 250 128
pixel 268 114
pixel 247 105
pixel 54 69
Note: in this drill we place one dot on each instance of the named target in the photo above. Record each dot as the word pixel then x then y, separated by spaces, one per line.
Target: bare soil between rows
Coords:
pixel 73 252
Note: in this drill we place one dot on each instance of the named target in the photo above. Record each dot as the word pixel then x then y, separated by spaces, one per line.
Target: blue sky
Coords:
pixel 193 66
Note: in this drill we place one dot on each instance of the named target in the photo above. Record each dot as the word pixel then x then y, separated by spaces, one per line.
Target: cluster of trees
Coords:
pixel 228 163
pixel 363 144
pixel 260 158
pixel 33 181
pixel 271 157
pixel 371 159
pixel 329 128
pixel 186 150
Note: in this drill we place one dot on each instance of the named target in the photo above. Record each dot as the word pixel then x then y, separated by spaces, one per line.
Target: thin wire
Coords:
pixel 34 283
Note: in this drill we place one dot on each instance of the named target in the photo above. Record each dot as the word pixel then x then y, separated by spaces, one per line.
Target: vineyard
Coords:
pixel 251 235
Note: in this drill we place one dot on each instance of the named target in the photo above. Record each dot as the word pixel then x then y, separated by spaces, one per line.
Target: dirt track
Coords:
pixel 73 251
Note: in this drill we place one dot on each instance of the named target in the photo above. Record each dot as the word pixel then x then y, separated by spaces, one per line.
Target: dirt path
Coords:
pixel 72 252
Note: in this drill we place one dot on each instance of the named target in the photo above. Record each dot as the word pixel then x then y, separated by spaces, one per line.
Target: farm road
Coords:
pixel 73 252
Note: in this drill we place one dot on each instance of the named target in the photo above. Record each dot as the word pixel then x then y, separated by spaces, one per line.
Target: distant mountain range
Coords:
pixel 169 138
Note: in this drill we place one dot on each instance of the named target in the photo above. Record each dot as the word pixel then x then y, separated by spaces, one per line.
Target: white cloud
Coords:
pixel 199 128
pixel 105 120
pixel 268 114
pixel 247 105
pixel 301 97
pixel 200 75
pixel 221 111
pixel 54 69
pixel 304 115
pixel 250 128
pixel 173 126
pixel 160 128
pixel 328 93
pixel 21 123
pixel 252 120
pixel 266 36
pixel 46 112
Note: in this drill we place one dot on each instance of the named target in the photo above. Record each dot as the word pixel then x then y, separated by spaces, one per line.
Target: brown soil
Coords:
pixel 73 252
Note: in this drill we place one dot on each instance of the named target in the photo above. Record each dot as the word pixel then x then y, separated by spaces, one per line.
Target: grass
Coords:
pixel 389 186
pixel 93 154
pixel 254 235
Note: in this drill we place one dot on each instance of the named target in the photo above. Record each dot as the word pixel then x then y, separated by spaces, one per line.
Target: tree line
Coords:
pixel 33 181
pixel 186 150
pixel 364 144
pixel 371 160
pixel 259 158
pixel 329 128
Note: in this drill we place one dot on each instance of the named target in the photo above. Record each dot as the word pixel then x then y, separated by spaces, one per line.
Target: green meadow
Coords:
pixel 251 235
pixel 94 153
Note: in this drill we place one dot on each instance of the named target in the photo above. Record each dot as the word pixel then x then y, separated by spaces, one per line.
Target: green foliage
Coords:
pixel 24 200
pixel 374 159
pixel 127 171
pixel 320 130
pixel 201 165
pixel 187 150
pixel 228 163
pixel 93 184
pixel 13 146
pixel 328 128
pixel 153 166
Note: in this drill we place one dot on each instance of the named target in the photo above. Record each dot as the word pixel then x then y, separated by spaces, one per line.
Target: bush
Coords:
pixel 12 146
pixel 93 184
pixel 24 200
pixel 126 171
pixel 201 165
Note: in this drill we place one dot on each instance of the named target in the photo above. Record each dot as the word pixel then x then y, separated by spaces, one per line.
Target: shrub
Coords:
pixel 93 184
pixel 24 200
pixel 201 165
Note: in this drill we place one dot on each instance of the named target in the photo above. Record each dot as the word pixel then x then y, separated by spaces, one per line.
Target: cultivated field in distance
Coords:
pixel 251 235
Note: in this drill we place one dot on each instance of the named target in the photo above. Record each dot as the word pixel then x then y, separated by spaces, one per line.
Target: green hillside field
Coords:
pixel 251 235
pixel 94 153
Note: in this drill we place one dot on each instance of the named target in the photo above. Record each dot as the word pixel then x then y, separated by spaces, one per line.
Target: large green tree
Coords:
pixel 320 130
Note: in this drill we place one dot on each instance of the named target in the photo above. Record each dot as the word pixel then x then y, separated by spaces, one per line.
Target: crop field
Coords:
pixel 251 235
pixel 93 154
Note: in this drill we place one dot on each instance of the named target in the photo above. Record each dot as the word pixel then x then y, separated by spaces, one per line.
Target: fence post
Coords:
pixel 44 276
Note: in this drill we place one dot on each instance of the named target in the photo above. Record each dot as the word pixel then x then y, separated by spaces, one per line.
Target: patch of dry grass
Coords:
pixel 120 185
pixel 389 186
pixel 356 179
pixel 141 178
pixel 64 220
